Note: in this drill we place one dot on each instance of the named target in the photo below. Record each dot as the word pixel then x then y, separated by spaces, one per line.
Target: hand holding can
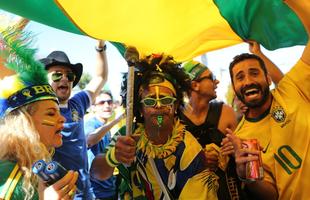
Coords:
pixel 50 172
pixel 254 169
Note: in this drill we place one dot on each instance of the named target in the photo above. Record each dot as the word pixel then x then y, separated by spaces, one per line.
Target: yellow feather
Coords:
pixel 9 85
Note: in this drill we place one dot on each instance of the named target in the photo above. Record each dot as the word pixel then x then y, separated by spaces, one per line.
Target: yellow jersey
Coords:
pixel 284 133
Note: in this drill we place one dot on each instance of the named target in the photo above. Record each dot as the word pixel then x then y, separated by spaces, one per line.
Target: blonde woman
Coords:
pixel 30 125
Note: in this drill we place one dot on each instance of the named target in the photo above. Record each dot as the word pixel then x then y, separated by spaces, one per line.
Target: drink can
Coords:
pixel 254 169
pixel 38 168
pixel 55 171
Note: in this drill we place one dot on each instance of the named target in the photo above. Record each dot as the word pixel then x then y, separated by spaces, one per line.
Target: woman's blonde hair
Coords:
pixel 20 143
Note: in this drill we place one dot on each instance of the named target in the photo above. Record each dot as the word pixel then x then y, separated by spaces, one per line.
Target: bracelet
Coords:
pixel 110 158
pixel 101 49
pixel 246 180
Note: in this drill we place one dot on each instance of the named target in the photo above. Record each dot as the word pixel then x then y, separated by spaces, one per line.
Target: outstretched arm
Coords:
pixel 94 137
pixel 101 75
pixel 275 73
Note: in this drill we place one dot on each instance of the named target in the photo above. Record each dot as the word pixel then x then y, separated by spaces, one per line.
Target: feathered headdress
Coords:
pixel 29 83
pixel 154 69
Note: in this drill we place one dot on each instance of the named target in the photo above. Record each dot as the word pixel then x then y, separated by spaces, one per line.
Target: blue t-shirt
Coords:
pixel 106 188
pixel 73 153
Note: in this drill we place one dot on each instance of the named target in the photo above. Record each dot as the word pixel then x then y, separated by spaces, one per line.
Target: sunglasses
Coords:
pixel 57 76
pixel 151 102
pixel 104 101
pixel 211 77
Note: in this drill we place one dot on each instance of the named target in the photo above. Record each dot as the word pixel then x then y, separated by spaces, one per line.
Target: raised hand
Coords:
pixel 254 47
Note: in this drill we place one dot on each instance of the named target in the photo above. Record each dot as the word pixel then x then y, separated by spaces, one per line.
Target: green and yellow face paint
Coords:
pixel 48 123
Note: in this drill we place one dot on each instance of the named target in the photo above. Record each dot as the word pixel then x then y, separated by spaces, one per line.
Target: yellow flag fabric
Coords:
pixel 184 30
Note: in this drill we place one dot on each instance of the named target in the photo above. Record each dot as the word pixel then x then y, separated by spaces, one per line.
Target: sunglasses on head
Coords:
pixel 57 76
pixel 151 102
pixel 211 77
pixel 105 101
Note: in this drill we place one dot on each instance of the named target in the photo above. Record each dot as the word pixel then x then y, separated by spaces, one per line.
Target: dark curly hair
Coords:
pixel 243 57
pixel 156 67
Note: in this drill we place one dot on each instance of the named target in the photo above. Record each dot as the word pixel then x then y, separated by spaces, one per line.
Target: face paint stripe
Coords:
pixel 157 94
pixel 48 123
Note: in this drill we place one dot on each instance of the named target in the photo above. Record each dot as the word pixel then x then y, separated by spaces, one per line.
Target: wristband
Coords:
pixel 110 158
pixel 101 49
pixel 245 180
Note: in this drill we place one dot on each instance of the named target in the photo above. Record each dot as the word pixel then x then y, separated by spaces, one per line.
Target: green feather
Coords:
pixel 20 57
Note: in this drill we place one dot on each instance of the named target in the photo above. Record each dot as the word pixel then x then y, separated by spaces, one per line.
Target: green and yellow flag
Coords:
pixel 184 29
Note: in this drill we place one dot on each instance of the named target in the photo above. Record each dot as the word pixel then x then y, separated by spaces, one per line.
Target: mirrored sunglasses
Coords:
pixel 57 76
pixel 105 101
pixel 151 102
pixel 211 77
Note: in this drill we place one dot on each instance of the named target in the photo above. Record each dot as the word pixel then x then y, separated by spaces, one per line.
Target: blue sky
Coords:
pixel 80 49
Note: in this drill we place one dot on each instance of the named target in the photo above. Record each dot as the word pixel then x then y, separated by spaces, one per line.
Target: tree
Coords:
pixel 86 77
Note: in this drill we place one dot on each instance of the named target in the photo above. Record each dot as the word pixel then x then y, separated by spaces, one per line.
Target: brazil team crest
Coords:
pixel 75 115
pixel 278 114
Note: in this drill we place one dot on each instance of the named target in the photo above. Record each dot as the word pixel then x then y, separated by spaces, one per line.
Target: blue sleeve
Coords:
pixel 81 101
pixel 90 126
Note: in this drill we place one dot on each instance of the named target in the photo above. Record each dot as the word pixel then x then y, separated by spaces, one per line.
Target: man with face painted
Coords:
pixel 160 160
pixel 279 119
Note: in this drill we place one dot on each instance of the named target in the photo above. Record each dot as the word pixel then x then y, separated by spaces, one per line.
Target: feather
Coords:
pixel 20 57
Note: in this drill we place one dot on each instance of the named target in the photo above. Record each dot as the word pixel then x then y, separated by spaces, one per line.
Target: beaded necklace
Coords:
pixel 162 150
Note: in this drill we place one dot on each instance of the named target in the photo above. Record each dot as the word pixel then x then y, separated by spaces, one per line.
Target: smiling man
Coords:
pixel 279 119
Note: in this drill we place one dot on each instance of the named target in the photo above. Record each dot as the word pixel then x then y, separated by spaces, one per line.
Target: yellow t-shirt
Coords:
pixel 284 133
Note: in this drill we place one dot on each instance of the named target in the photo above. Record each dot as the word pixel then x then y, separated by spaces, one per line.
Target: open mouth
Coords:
pixel 63 88
pixel 251 92
pixel 58 132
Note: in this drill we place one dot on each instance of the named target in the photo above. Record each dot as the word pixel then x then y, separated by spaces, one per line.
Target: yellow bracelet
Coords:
pixel 110 157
